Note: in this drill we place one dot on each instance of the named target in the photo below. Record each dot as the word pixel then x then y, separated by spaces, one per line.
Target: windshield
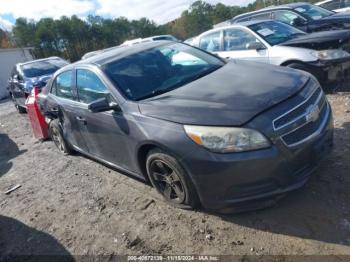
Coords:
pixel 40 68
pixel 160 70
pixel 275 32
pixel 313 12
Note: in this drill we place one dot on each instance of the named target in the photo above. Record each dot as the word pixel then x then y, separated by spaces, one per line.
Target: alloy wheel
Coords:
pixel 57 139
pixel 167 181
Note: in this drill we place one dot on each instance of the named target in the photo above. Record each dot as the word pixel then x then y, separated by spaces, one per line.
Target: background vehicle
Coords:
pixel 306 17
pixel 335 5
pixel 197 128
pixel 25 75
pixel 133 42
pixel 150 39
pixel 323 54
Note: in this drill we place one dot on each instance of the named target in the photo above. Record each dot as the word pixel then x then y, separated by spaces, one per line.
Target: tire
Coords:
pixel 56 134
pixel 170 180
pixel 19 108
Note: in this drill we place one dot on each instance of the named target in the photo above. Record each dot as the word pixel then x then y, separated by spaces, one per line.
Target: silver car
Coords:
pixel 323 54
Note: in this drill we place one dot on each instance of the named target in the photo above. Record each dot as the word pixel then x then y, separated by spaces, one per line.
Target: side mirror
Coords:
pixel 298 22
pixel 255 46
pixel 102 105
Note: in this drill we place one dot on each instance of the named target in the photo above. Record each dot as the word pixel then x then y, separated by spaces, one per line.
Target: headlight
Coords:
pixel 227 139
pixel 330 54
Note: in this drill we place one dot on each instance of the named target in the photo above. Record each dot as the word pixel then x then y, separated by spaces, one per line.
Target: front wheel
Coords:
pixel 171 180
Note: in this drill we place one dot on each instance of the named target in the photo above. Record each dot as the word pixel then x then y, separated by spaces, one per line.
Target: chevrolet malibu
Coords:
pixel 227 135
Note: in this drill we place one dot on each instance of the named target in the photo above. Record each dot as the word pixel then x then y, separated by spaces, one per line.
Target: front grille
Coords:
pixel 304 121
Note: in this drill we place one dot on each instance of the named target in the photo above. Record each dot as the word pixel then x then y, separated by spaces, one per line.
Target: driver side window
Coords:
pixel 286 17
pixel 236 39
pixel 90 87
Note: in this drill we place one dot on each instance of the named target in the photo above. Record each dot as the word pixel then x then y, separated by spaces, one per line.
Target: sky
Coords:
pixel 161 11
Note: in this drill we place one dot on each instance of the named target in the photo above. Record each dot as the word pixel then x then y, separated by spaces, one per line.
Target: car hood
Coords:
pixel 320 37
pixel 230 96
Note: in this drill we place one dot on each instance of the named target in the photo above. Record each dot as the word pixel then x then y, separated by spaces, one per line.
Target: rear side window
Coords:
pixel 90 87
pixel 286 16
pixel 210 42
pixel 62 86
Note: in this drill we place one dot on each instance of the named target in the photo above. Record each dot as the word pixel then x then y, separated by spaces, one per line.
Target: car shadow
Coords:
pixel 19 242
pixel 8 150
pixel 320 210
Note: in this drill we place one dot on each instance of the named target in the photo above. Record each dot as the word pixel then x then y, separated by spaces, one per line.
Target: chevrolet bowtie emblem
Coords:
pixel 312 113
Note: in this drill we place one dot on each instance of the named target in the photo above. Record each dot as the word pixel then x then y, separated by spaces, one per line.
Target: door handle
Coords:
pixel 81 119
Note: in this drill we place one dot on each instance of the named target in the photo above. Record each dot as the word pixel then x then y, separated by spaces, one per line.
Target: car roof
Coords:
pixel 39 60
pixel 271 8
pixel 119 52
pixel 238 25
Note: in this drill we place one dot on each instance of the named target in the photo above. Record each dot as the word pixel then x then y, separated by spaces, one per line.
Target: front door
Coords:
pixel 238 43
pixel 106 133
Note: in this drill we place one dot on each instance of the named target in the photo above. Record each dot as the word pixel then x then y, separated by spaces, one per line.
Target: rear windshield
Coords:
pixel 40 68
pixel 160 70
pixel 313 12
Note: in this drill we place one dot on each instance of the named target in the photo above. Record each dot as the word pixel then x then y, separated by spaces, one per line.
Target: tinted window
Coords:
pixel 90 87
pixel 275 32
pixel 313 12
pixel 160 70
pixel 332 5
pixel 286 16
pixel 236 39
pixel 41 68
pixel 210 42
pixel 62 86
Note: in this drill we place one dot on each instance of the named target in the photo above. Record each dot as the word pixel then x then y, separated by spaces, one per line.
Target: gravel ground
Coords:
pixel 73 205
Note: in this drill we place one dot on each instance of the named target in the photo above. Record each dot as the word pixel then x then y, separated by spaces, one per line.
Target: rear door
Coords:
pixel 62 102
pixel 236 44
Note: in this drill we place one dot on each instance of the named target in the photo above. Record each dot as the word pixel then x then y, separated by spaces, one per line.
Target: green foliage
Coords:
pixel 71 37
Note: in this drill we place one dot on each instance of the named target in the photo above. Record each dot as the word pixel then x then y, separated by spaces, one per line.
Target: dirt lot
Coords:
pixel 73 205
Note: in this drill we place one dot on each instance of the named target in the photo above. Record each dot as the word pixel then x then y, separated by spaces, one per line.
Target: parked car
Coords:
pixel 25 75
pixel 133 42
pixel 335 5
pixel 323 54
pixel 213 132
pixel 306 17
pixel 150 39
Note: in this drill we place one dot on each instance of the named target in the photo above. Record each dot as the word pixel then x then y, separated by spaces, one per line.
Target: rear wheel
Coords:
pixel 19 108
pixel 57 137
pixel 171 180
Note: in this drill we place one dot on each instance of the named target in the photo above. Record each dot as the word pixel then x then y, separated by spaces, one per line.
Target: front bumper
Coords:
pixel 252 180
pixel 331 72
